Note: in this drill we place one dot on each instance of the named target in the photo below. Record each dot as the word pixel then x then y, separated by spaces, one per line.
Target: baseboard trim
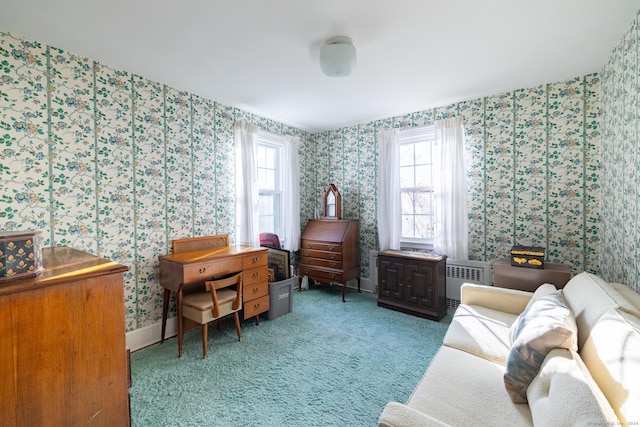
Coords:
pixel 149 335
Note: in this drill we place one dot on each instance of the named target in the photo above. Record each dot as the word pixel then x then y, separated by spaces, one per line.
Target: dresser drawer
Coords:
pixel 321 246
pixel 318 273
pixel 255 275
pixel 255 259
pixel 255 290
pixel 254 307
pixel 311 253
pixel 328 263
pixel 209 269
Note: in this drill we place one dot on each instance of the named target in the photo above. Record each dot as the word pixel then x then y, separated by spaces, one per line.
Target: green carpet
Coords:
pixel 324 364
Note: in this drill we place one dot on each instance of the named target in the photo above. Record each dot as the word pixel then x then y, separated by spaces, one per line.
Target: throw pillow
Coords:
pixel 541 291
pixel 546 325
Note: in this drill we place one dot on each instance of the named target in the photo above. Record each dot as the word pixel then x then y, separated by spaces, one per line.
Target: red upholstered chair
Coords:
pixel 270 240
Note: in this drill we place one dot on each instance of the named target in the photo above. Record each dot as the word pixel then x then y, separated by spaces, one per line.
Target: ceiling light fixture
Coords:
pixel 338 56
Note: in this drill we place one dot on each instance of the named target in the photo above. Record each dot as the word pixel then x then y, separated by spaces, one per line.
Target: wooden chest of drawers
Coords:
pixel 255 286
pixel 412 282
pixel 330 251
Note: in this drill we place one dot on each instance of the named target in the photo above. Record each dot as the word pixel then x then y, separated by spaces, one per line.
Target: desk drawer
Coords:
pixel 321 262
pixel 255 275
pixel 320 274
pixel 254 307
pixel 255 259
pixel 255 290
pixel 209 269
pixel 228 266
pixel 321 246
pixel 311 253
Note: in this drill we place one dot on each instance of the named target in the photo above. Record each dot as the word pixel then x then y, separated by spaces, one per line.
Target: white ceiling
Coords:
pixel 262 55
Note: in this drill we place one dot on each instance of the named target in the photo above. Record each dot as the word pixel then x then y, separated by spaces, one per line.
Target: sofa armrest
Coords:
pixel 396 414
pixel 501 299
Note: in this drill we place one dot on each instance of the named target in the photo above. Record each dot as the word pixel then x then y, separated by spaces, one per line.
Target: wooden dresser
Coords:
pixel 412 282
pixel 330 251
pixel 63 357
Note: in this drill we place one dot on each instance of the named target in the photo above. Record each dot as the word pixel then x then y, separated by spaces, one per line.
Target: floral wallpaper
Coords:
pixel 620 229
pixel 533 171
pixel 114 164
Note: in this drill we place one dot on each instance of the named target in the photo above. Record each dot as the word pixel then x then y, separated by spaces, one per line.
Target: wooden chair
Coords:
pixel 217 302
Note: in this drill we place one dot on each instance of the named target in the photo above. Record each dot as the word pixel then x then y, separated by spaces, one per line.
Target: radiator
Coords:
pixel 458 272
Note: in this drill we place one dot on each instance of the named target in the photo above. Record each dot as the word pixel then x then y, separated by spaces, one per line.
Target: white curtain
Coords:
pixel 291 190
pixel 246 184
pixel 389 212
pixel 450 188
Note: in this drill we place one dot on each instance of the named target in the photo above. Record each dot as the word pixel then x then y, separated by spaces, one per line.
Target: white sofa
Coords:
pixel 599 385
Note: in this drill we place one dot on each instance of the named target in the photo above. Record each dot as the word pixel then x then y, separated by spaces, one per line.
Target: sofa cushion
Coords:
pixel 632 296
pixel 398 415
pixel 563 393
pixel 612 355
pixel 589 297
pixel 480 331
pixel 542 290
pixel 546 325
pixel 461 389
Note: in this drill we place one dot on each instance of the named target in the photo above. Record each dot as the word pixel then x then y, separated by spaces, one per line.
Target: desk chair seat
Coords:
pixel 217 302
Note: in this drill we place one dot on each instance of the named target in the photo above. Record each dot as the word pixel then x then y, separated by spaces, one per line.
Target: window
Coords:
pixel 416 186
pixel 269 152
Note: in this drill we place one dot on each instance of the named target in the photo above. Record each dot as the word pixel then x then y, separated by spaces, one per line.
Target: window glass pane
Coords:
pixel 423 176
pixel 423 154
pixel 406 202
pixel 423 226
pixel 406 154
pixel 265 204
pixel 269 182
pixel 407 177
pixel 408 226
pixel 270 155
pixel 423 202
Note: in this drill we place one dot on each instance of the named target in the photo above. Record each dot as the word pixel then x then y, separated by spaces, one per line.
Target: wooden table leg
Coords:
pixel 165 309
pixel 344 286
pixel 179 315
pixel 358 279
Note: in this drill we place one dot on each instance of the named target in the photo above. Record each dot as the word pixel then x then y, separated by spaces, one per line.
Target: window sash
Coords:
pixel 270 171
pixel 416 188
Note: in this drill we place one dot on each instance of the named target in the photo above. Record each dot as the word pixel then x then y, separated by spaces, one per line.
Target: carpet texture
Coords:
pixel 326 363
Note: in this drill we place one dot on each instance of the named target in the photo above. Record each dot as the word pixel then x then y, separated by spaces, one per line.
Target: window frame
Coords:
pixel 273 141
pixel 412 136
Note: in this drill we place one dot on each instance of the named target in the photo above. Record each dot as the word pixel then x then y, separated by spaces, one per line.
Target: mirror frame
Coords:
pixel 332 189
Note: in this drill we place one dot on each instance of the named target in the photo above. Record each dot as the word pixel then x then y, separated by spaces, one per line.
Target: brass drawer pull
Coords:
pixel 255 259
pixel 202 270
pixel 256 274
pixel 333 257
pixel 256 290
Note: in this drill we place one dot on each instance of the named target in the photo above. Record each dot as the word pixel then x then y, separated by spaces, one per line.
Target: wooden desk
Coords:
pixel 190 269
pixel 63 359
